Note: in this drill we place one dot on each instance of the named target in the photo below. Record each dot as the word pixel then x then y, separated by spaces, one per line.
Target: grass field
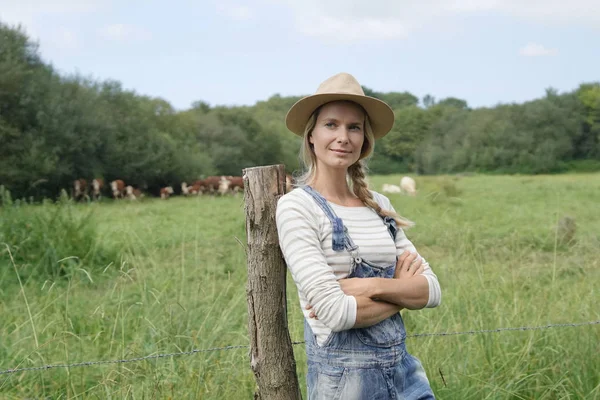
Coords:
pixel 169 276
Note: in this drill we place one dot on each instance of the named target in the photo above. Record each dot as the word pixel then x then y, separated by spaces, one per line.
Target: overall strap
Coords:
pixel 389 222
pixel 340 238
pixel 391 225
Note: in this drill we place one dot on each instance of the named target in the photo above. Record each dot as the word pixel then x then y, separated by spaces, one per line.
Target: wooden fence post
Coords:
pixel 271 354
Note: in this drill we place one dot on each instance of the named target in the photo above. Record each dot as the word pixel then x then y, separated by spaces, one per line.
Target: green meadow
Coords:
pixel 121 280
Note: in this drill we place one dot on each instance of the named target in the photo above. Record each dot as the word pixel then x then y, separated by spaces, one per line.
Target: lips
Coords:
pixel 341 151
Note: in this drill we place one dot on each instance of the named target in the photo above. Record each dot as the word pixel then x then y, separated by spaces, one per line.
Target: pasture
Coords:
pixel 173 274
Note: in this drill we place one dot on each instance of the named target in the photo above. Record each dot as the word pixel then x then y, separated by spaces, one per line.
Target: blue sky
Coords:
pixel 239 52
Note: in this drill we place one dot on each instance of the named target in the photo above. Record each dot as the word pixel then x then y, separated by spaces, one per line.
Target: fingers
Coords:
pixel 415 265
pixel 410 260
pixel 402 257
pixel 409 264
pixel 312 313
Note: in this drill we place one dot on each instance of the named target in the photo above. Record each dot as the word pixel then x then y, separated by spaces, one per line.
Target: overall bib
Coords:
pixel 363 363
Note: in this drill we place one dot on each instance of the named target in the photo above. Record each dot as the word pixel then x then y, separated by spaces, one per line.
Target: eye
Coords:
pixel 330 124
pixel 355 127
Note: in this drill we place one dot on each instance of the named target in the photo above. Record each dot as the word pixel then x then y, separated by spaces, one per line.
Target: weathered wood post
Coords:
pixel 271 353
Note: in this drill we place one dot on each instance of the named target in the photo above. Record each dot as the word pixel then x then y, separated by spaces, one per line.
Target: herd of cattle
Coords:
pixel 212 185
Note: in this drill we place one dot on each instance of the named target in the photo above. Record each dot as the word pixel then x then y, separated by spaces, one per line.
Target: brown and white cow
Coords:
pixel 208 185
pixel 132 193
pixel 194 190
pixel 129 193
pixel 118 188
pixel 166 192
pixel 97 185
pixel 80 190
pixel 185 189
pixel 224 185
pixel 236 184
pixel 138 193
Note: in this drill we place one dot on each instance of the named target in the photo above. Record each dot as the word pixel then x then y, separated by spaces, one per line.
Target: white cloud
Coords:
pixel 393 19
pixel 236 12
pixel 124 33
pixel 537 50
pixel 345 21
pixel 338 29
pixel 64 39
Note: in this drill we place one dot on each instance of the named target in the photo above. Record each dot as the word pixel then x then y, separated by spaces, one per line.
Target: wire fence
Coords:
pixel 196 351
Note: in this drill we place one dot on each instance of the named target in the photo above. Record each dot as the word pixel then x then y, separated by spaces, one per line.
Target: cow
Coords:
pixel 194 190
pixel 166 192
pixel 236 184
pixel 408 185
pixel 224 185
pixel 387 188
pixel 208 185
pixel 132 193
pixel 118 188
pixel 97 185
pixel 129 193
pixel 185 189
pixel 80 190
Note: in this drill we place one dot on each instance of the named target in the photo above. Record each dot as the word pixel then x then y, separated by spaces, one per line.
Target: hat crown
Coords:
pixel 341 87
pixel 341 83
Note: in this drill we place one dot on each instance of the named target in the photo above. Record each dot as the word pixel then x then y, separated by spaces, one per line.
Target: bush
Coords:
pixel 583 166
pixel 52 239
pixel 445 191
pixel 381 164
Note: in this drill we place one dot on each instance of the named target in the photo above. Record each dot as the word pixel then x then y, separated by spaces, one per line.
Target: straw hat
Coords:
pixel 342 86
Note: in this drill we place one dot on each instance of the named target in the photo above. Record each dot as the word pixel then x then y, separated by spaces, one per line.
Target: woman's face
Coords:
pixel 338 135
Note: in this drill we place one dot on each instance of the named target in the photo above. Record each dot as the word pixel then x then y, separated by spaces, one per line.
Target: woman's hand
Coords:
pixel 312 312
pixel 408 265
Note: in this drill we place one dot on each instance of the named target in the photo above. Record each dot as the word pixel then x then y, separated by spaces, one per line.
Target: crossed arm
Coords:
pixel 356 302
pixel 380 298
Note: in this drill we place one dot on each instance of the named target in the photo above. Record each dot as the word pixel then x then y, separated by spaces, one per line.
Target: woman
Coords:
pixel 348 255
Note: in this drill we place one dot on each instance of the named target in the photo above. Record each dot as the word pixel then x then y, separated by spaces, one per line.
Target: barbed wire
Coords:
pixel 127 360
pixel 195 351
pixel 521 328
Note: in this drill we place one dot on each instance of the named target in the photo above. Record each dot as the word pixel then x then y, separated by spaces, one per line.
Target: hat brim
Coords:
pixel 380 114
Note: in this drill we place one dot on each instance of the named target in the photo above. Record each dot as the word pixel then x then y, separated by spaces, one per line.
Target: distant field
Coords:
pixel 179 284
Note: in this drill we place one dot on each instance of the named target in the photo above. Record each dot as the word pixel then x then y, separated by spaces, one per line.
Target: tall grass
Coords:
pixel 179 285
pixel 53 239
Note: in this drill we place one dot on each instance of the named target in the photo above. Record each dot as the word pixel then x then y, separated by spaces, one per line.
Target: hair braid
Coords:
pixel 361 190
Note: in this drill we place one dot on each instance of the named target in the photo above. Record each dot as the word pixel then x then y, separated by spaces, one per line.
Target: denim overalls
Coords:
pixel 364 363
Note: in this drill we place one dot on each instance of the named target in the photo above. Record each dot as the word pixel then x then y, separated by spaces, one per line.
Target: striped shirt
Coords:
pixel 305 235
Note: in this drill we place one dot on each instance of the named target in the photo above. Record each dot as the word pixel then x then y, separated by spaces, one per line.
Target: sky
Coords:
pixel 232 53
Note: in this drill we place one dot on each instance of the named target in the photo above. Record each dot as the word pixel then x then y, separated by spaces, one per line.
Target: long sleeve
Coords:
pixel 299 239
pixel 402 244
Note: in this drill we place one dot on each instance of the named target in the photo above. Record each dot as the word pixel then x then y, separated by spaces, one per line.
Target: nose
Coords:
pixel 343 136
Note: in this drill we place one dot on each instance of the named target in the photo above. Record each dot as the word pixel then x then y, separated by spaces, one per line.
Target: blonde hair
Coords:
pixel 356 172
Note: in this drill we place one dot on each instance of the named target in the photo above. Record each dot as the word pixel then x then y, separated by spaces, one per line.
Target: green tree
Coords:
pixel 412 124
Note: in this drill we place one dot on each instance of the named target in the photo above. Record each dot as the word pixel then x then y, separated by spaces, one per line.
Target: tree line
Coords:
pixel 57 128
